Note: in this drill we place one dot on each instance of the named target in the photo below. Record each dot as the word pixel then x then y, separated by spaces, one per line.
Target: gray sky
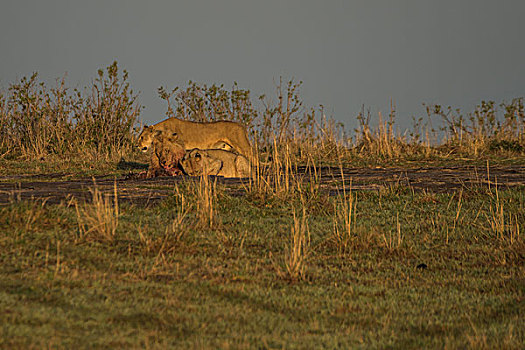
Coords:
pixel 347 52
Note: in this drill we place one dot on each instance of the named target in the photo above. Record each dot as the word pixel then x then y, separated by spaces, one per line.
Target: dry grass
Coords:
pixel 297 251
pixel 38 122
pixel 177 227
pixel 380 141
pixel 505 226
pixel 206 201
pixel 276 178
pixel 99 219
pixel 393 241
pixel 344 219
pixel 282 128
pixel 487 129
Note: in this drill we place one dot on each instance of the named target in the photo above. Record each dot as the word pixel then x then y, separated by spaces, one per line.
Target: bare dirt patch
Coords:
pixel 54 189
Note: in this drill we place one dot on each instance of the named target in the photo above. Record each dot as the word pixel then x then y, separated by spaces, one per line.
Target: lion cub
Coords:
pixel 168 150
pixel 217 162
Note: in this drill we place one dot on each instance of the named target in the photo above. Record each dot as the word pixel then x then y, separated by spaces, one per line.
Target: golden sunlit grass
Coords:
pixel 40 122
pixel 504 225
pixel 297 249
pixel 96 123
pixel 177 227
pixel 206 194
pixel 98 219
pixel 344 219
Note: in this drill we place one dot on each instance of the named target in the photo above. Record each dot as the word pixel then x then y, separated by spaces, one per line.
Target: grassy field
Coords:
pixel 278 264
pixel 393 268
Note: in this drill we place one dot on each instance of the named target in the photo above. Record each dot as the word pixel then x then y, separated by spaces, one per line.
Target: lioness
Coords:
pixel 168 150
pixel 215 162
pixel 200 135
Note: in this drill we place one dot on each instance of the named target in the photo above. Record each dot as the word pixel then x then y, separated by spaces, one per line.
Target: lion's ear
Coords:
pixel 214 167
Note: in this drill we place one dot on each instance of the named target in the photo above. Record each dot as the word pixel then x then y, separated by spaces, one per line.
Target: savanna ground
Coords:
pixel 374 241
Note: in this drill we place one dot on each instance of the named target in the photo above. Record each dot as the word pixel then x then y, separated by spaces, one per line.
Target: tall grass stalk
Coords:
pixel 297 250
pixel 505 226
pixel 206 196
pixel 99 219
pixel 380 141
pixel 393 242
pixel 276 178
pixel 176 227
pixel 344 220
pixel 456 218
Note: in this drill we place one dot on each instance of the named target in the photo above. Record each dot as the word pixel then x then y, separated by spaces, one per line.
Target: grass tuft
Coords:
pixel 298 250
pixel 99 219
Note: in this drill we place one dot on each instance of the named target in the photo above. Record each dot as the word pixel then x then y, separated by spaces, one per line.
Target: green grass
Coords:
pixel 54 168
pixel 159 284
pixel 204 269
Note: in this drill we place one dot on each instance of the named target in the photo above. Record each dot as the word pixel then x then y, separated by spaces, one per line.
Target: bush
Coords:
pixel 37 121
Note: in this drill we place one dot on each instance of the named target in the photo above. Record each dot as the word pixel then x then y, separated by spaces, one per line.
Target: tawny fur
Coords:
pixel 215 162
pixel 167 152
pixel 220 134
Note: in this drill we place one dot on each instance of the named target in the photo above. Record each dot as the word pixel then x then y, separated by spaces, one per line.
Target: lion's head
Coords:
pixel 198 162
pixel 191 163
pixel 146 138
pixel 169 149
